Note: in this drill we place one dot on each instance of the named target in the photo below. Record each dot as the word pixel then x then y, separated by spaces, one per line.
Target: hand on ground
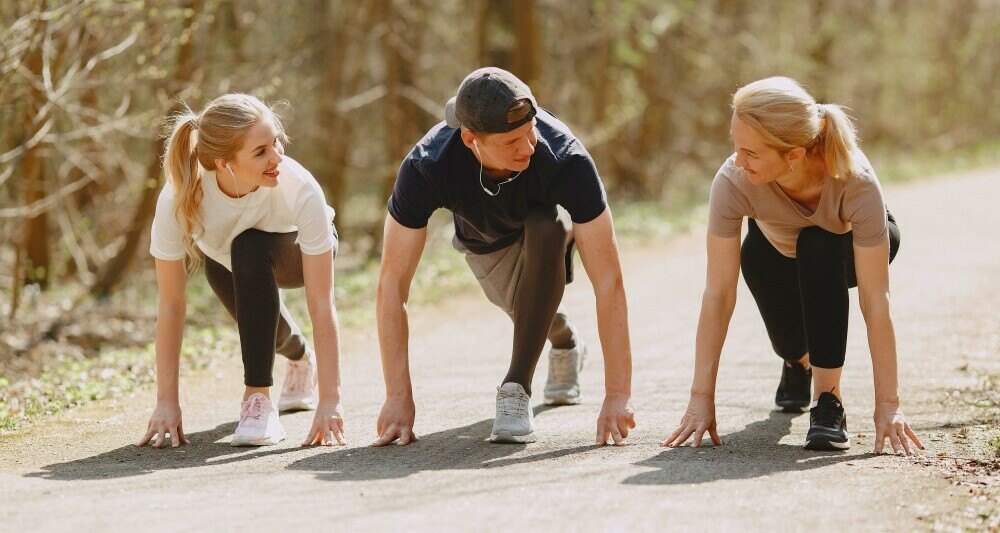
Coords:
pixel 699 418
pixel 395 422
pixel 616 418
pixel 165 420
pixel 328 425
pixel 891 424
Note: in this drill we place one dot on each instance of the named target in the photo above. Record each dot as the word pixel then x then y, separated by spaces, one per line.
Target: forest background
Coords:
pixel 85 86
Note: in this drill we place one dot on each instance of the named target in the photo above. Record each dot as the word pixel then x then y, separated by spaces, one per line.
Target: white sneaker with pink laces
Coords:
pixel 298 392
pixel 259 424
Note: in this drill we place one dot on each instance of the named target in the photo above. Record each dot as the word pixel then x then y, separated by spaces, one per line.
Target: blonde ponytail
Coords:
pixel 218 134
pixel 184 173
pixel 838 140
pixel 788 117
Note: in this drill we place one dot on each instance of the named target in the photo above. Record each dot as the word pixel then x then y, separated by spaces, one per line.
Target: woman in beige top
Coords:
pixel 818 225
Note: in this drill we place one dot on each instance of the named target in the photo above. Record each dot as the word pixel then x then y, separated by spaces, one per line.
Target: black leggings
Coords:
pixel 804 301
pixel 263 262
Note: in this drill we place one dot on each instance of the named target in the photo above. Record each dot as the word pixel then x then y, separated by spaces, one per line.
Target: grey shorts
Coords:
pixel 499 272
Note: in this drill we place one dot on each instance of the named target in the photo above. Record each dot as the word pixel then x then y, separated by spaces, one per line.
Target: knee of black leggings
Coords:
pixel 247 248
pixel 815 241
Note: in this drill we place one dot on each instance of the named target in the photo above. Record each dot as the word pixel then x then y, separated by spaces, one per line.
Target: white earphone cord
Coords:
pixel 487 191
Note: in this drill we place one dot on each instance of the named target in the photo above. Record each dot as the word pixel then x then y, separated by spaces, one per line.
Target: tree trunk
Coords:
pixel 113 272
pixel 36 228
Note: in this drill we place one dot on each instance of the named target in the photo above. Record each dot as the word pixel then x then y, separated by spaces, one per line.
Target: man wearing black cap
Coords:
pixel 522 190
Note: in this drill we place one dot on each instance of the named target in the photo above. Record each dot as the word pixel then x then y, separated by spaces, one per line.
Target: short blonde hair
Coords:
pixel 788 117
pixel 217 133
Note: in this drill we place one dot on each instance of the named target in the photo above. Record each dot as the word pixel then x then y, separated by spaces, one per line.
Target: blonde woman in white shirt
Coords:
pixel 259 222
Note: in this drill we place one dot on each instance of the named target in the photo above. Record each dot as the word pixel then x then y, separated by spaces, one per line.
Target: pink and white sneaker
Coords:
pixel 298 392
pixel 259 424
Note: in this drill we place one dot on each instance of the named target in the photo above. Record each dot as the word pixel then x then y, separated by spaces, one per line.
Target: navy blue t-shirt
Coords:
pixel 441 171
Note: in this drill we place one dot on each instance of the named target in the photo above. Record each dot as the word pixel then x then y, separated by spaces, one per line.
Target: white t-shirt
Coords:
pixel 295 204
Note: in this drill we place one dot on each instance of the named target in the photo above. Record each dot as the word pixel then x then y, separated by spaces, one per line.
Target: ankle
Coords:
pixel 817 392
pixel 266 391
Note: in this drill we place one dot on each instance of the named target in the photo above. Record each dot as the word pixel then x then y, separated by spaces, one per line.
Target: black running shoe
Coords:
pixel 794 390
pixel 827 425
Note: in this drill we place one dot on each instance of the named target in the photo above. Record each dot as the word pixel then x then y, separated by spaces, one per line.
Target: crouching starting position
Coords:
pixel 522 190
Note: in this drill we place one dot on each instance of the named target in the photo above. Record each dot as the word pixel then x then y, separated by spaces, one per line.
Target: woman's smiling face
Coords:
pixel 762 163
pixel 256 163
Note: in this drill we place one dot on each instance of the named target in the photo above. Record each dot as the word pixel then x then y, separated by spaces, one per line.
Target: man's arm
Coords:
pixel 599 252
pixel 400 256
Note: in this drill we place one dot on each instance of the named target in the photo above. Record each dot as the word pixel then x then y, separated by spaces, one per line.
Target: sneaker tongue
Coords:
pixel 511 388
pixel 828 397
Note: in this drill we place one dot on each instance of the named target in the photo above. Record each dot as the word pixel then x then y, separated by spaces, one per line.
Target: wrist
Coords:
pixel 703 393
pixel 894 399
pixel 330 396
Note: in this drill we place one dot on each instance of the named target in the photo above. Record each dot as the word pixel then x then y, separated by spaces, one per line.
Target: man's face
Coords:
pixel 507 151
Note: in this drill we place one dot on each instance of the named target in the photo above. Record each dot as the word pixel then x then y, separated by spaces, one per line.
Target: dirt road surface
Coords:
pixel 79 470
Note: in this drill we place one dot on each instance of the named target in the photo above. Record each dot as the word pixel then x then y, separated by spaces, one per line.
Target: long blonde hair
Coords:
pixel 217 133
pixel 787 116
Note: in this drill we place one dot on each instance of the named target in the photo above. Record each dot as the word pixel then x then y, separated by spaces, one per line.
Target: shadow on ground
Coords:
pixel 752 452
pixel 129 461
pixel 461 448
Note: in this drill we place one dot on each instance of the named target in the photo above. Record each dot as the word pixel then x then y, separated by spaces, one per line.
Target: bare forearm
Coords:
pixel 882 344
pixel 612 326
pixel 713 324
pixel 326 335
pixel 169 335
pixel 393 338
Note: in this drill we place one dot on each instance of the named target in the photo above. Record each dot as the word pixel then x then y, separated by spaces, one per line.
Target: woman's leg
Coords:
pixel 823 282
pixel 772 280
pixel 263 262
pixel 773 283
pixel 826 272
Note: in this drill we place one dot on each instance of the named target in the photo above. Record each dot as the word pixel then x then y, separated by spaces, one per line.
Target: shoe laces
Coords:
pixel 562 367
pixel 253 408
pixel 827 411
pixel 299 374
pixel 794 376
pixel 512 404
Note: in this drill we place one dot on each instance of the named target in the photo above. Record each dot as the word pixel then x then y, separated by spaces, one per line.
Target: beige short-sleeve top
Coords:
pixel 853 204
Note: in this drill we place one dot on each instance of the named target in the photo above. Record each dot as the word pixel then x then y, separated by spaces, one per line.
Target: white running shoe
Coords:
pixel 259 424
pixel 298 392
pixel 563 385
pixel 515 422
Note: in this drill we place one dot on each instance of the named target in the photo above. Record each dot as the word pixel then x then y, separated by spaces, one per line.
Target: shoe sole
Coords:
pixel 827 443
pixel 792 407
pixel 296 406
pixel 258 442
pixel 509 438
pixel 563 400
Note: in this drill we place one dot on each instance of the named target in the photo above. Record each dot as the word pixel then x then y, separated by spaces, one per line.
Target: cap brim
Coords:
pixel 450 116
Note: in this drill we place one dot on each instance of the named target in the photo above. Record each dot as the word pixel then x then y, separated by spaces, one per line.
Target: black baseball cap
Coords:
pixel 484 98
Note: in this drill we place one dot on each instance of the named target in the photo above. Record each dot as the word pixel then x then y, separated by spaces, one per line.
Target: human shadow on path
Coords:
pixel 463 448
pixel 751 452
pixel 127 461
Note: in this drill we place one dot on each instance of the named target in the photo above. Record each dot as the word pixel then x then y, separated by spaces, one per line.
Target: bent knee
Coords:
pixel 815 241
